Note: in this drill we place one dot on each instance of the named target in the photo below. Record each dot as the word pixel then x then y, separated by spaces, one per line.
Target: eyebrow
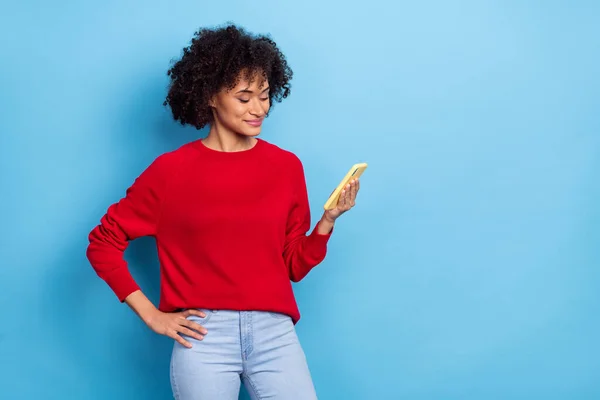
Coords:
pixel 250 91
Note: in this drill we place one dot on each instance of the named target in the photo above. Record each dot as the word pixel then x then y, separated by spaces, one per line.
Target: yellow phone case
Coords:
pixel 354 173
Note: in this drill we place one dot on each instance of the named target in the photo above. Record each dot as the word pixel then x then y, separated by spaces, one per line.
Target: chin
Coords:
pixel 251 132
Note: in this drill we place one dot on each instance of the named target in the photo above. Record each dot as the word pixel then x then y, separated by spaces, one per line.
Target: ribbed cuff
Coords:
pixel 317 244
pixel 321 237
pixel 122 283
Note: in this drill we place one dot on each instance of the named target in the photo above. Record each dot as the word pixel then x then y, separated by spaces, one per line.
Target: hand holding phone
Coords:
pixel 354 173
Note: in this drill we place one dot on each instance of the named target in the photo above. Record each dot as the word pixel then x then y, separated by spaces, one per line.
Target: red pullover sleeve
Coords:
pixel 135 215
pixel 301 252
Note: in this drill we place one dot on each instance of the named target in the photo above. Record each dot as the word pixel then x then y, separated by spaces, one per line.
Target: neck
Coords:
pixel 222 139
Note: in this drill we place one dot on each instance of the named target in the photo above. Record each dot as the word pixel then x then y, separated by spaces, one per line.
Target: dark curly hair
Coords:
pixel 216 59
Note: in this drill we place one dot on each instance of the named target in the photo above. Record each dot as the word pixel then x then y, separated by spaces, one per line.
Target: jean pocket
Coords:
pixel 278 315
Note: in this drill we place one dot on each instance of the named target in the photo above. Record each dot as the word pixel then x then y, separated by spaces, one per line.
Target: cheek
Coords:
pixel 237 109
pixel 231 111
pixel 241 110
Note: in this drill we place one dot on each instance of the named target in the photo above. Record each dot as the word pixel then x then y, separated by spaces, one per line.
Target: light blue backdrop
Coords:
pixel 469 268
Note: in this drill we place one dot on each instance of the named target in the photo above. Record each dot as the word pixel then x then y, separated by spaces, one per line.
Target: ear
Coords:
pixel 211 102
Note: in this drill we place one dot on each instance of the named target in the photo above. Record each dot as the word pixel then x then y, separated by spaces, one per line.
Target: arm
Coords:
pixel 142 306
pixel 135 215
pixel 325 225
pixel 301 252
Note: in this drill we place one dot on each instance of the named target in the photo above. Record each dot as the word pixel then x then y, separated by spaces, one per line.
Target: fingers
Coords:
pixel 195 326
pixel 187 327
pixel 192 331
pixel 192 311
pixel 173 334
pixel 348 196
pixel 191 324
pixel 342 201
pixel 353 191
pixel 189 332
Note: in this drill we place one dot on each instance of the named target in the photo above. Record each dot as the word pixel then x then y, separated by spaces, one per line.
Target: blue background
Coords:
pixel 469 268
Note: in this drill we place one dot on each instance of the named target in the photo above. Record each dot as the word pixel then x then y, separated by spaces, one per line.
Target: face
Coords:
pixel 243 108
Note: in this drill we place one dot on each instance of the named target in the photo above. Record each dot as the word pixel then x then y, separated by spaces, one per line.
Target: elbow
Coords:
pixel 298 269
pixel 94 242
pixel 297 273
pixel 104 250
pixel 90 245
pixel 90 252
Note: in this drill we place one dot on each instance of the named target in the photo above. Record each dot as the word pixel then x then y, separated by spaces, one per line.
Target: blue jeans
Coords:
pixel 260 349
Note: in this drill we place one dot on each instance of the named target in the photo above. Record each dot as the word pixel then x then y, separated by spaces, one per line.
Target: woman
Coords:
pixel 230 215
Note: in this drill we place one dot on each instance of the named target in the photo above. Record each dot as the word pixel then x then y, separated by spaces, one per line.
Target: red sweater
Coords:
pixel 230 227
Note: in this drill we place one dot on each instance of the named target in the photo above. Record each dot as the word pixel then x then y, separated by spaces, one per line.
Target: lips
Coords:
pixel 254 122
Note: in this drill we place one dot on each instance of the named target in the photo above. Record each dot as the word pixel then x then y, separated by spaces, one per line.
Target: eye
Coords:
pixel 243 101
pixel 264 99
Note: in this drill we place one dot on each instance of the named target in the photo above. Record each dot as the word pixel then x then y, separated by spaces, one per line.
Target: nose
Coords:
pixel 258 108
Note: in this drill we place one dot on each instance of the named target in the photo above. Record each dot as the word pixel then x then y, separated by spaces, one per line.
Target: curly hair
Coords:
pixel 217 59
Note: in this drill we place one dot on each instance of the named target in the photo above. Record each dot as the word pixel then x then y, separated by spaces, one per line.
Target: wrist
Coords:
pixel 149 315
pixel 325 225
pixel 328 218
pixel 142 306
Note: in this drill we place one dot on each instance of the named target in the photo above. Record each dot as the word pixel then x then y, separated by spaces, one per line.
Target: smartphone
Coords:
pixel 355 172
